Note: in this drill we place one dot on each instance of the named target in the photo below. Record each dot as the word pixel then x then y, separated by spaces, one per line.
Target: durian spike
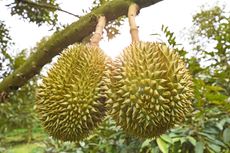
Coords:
pixel 133 10
pixel 97 36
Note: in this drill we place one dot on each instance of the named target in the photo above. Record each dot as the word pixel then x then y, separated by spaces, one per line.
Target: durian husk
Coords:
pixel 71 99
pixel 151 89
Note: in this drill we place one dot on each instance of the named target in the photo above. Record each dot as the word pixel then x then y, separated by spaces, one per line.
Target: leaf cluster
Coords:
pixel 5 58
pixel 37 11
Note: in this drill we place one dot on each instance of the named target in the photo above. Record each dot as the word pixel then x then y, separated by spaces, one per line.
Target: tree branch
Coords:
pixel 73 33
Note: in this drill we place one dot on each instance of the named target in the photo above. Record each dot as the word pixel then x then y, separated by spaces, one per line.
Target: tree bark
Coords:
pixel 73 33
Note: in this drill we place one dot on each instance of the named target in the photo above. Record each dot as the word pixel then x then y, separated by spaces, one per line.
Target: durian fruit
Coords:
pixel 151 89
pixel 70 102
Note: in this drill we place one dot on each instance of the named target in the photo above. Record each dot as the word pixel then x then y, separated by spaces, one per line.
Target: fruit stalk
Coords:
pixel 133 10
pixel 97 36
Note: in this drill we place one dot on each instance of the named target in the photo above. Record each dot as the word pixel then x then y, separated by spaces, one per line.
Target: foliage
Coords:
pixel 5 58
pixel 213 27
pixel 112 29
pixel 37 11
pixel 207 128
pixel 17 111
pixel 107 138
pixel 4 36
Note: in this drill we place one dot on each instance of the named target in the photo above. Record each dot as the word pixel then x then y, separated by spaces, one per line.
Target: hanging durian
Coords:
pixel 151 89
pixel 71 99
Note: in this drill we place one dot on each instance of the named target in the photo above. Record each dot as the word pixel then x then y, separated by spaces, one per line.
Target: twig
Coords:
pixel 94 41
pixel 133 10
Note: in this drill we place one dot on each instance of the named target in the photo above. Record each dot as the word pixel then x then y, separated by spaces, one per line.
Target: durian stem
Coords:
pixel 97 36
pixel 133 10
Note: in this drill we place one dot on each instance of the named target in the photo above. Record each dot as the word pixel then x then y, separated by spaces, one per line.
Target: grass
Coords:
pixel 26 148
pixel 16 141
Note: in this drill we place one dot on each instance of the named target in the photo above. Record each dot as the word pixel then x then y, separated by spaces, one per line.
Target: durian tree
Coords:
pixel 207 129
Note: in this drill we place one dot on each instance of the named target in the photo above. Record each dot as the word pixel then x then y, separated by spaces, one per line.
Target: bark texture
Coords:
pixel 73 33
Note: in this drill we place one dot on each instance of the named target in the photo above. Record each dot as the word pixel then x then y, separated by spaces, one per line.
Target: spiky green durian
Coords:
pixel 151 89
pixel 71 99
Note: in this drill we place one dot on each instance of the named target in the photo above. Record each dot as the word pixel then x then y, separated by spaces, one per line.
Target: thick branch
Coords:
pixel 60 40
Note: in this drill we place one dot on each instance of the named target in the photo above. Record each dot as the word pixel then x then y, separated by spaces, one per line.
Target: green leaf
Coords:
pixel 211 130
pixel 214 88
pixel 214 147
pixel 162 145
pixel 191 140
pixel 216 98
pixel 212 139
pixel 146 143
pixel 176 139
pixel 199 148
pixel 226 135
pixel 221 124
pixel 166 138
pixel 207 135
pixel 182 140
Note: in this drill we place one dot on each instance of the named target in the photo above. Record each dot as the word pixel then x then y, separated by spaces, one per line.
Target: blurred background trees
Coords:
pixel 207 129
